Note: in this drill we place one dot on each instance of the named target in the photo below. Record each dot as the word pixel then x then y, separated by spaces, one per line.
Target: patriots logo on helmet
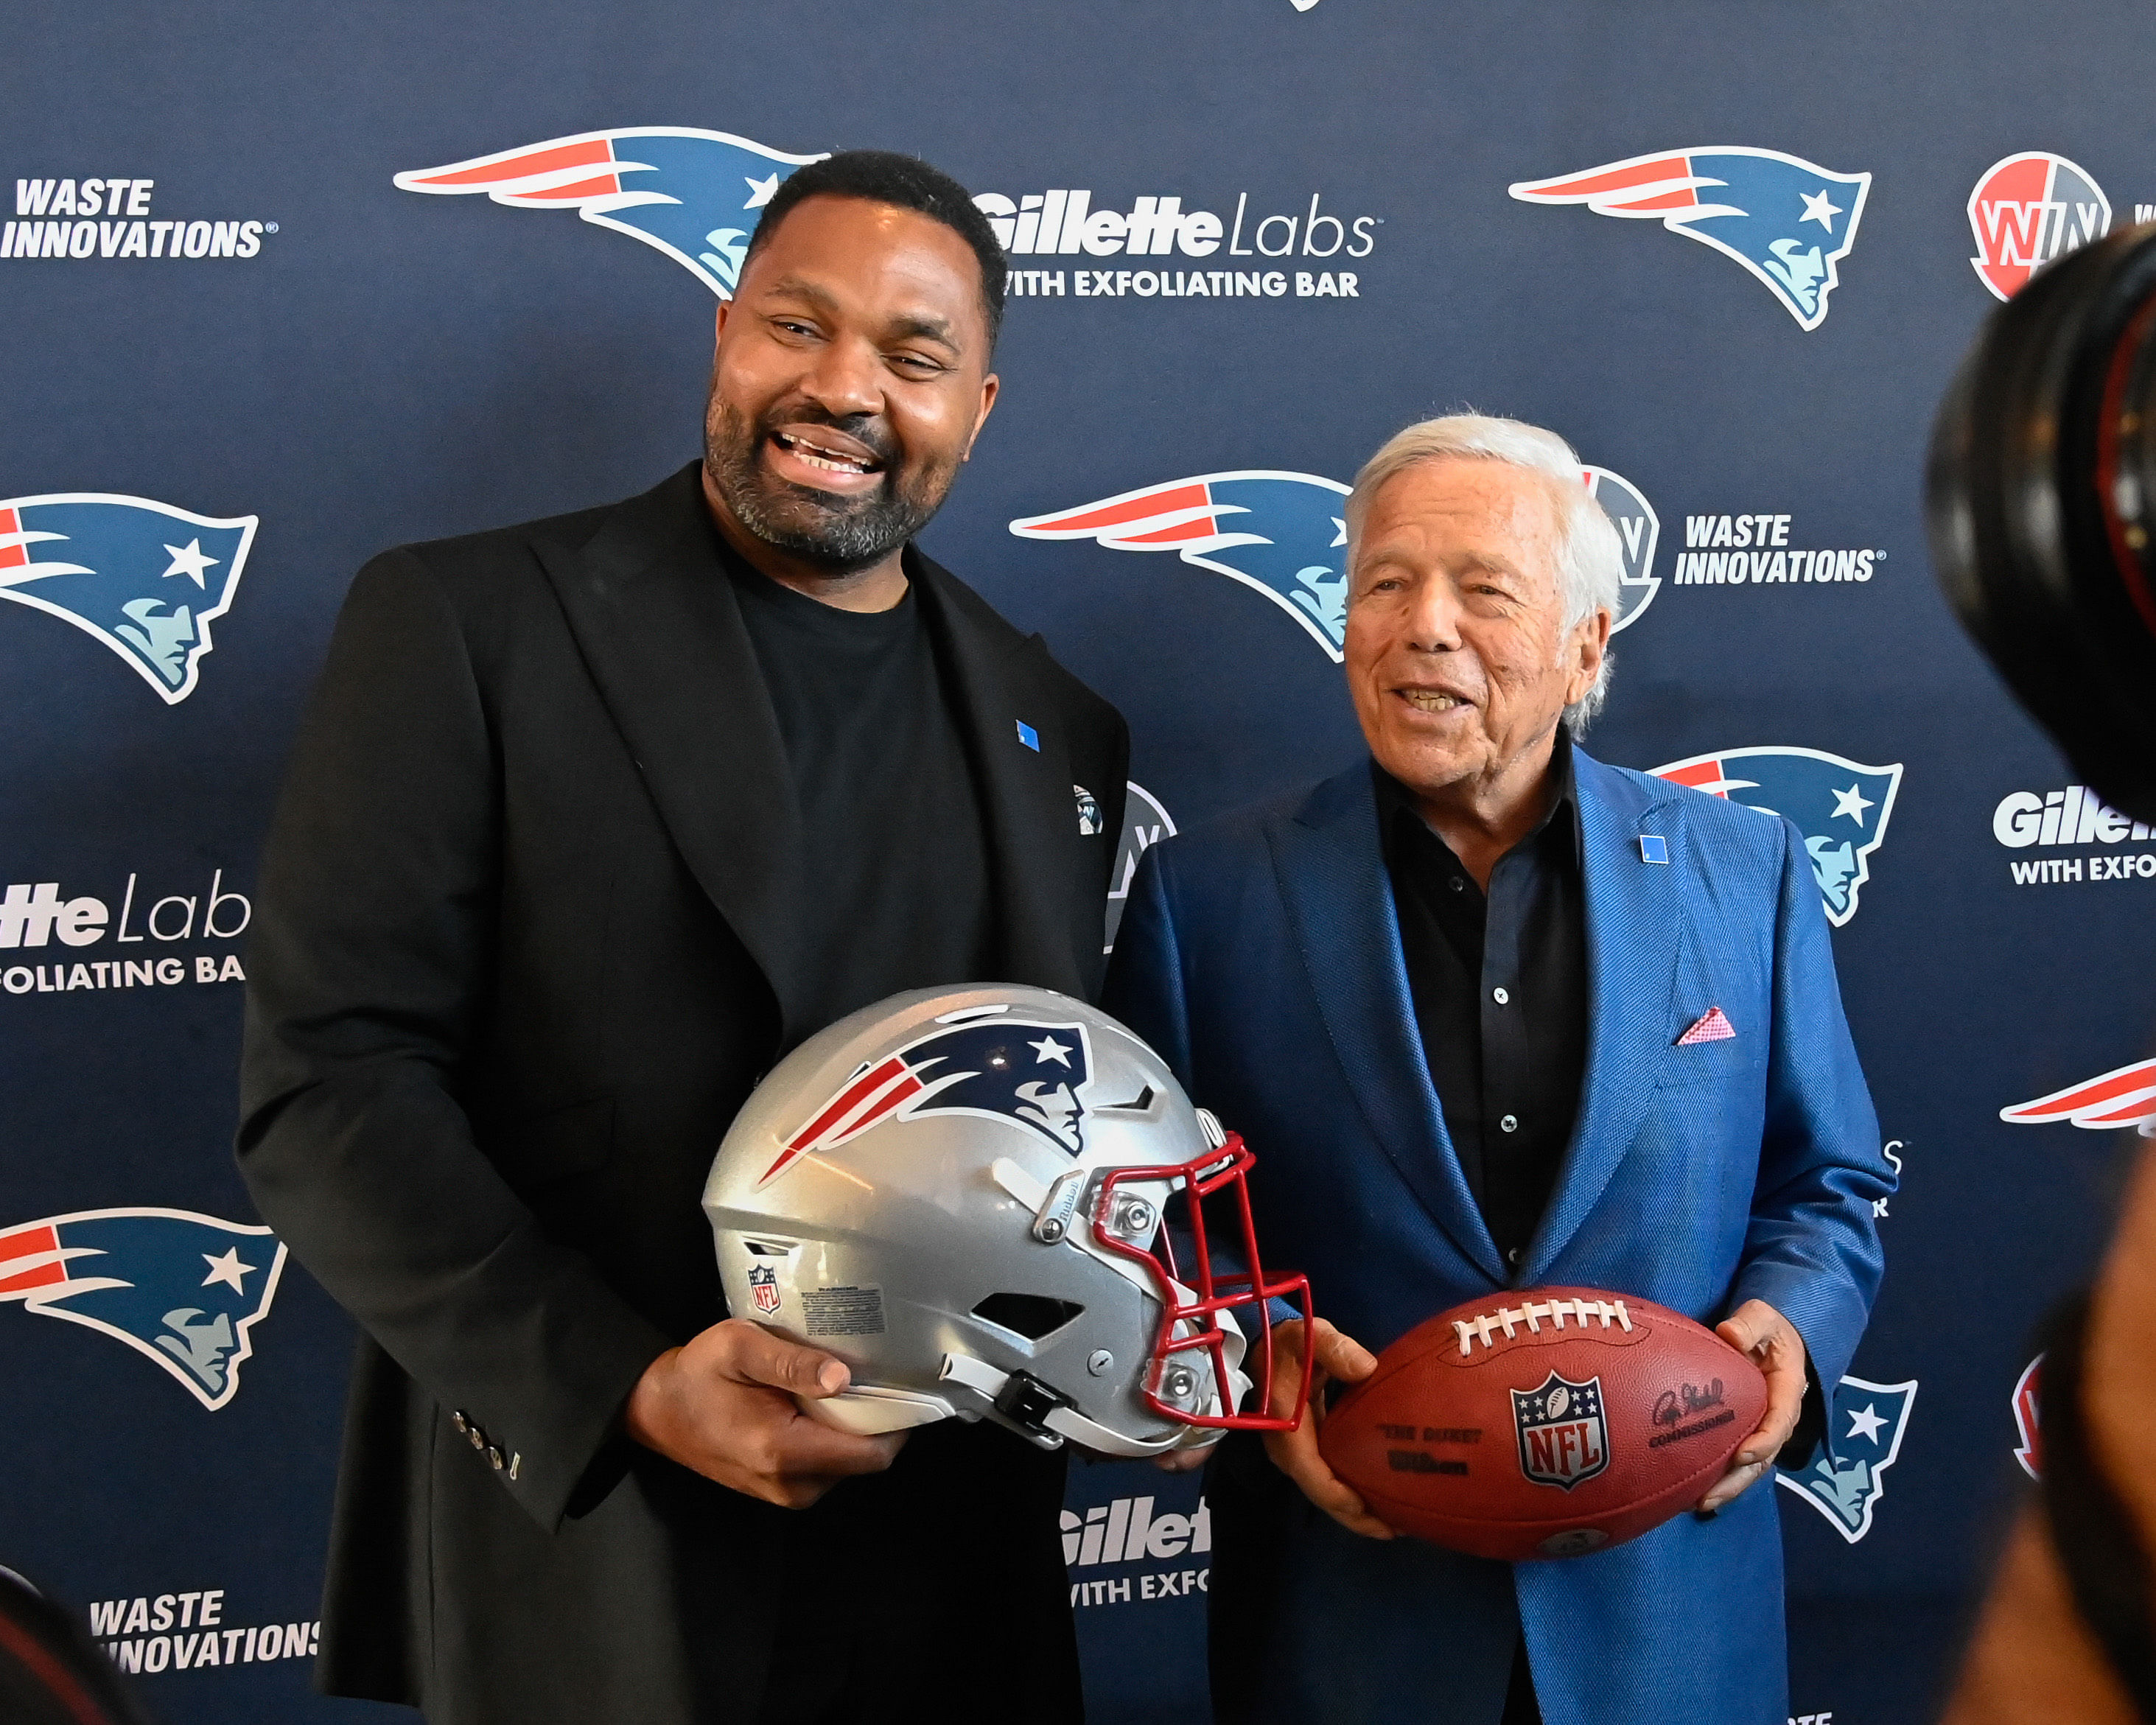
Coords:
pixel 2125 1096
pixel 1840 806
pixel 180 1289
pixel 1788 221
pixel 2025 211
pixel 1285 535
pixel 1024 1070
pixel 1280 534
pixel 144 578
pixel 692 193
pixel 1846 1475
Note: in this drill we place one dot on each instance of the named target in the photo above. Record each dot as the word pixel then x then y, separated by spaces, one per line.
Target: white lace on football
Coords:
pixel 1533 1314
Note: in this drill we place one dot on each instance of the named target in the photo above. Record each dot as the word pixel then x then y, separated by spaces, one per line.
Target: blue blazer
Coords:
pixel 1261 957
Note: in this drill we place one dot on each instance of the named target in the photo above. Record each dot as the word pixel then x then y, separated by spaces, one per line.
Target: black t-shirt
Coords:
pixel 893 886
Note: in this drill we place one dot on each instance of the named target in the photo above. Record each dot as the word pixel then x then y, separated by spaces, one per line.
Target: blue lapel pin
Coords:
pixel 1653 848
pixel 1030 736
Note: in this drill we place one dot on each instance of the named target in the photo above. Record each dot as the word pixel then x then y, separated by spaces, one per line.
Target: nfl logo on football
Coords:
pixel 1562 1439
pixel 763 1287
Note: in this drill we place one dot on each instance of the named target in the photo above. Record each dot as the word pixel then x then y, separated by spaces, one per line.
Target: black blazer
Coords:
pixel 519 956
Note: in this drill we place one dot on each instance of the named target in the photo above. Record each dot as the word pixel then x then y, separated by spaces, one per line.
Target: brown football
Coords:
pixel 1548 1423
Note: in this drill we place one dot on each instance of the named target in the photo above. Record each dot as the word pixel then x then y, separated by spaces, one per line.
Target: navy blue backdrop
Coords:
pixel 1731 252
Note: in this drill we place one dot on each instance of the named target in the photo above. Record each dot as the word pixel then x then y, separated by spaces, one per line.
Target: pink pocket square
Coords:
pixel 1713 1027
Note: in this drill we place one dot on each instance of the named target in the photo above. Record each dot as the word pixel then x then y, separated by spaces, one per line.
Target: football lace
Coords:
pixel 1509 1319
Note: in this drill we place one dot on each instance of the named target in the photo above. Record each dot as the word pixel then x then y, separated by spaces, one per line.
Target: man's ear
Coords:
pixel 719 323
pixel 990 386
pixel 1592 643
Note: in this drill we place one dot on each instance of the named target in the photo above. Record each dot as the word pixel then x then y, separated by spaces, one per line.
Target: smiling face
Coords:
pixel 1457 656
pixel 850 380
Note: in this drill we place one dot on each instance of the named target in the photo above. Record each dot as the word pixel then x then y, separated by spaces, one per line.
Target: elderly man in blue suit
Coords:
pixel 1495 1015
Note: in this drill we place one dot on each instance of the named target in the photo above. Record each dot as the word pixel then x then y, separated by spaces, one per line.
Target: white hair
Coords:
pixel 1590 557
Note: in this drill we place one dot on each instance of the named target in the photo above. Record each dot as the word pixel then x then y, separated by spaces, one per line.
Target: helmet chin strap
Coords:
pixel 1060 1421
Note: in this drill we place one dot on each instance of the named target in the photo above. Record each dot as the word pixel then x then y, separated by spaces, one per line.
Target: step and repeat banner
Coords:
pixel 282 288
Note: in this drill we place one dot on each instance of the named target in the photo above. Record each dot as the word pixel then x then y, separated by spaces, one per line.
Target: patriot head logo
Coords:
pixel 2027 210
pixel 2125 1096
pixel 1846 1475
pixel 1786 220
pixel 181 1289
pixel 694 194
pixel 1840 806
pixel 1280 534
pixel 980 1061
pixel 144 578
pixel 1285 535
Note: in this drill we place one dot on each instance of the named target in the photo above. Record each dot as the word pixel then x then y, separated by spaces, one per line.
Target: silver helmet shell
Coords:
pixel 921 1190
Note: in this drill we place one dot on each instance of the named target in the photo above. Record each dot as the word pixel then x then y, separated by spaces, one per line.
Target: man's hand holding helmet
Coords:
pixel 724 1405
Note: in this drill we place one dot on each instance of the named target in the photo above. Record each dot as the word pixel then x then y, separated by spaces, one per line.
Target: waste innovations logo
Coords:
pixel 2073 818
pixel 1062 224
pixel 80 219
pixel 1285 535
pixel 1846 1475
pixel 1840 806
pixel 693 194
pixel 181 1289
pixel 2124 1096
pixel 2028 210
pixel 1787 221
pixel 1757 550
pixel 40 922
pixel 1146 823
pixel 146 578
pixel 2028 1409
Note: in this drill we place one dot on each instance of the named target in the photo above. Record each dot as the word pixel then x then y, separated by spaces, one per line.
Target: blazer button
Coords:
pixel 515 1462
pixel 458 1419
pixel 1510 1123
pixel 495 1459
pixel 478 1437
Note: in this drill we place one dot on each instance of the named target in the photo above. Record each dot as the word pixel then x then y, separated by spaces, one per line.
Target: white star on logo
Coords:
pixel 1866 1425
pixel 1339 533
pixel 190 563
pixel 1851 803
pixel 760 191
pixel 1049 1048
pixel 1818 209
pixel 227 1270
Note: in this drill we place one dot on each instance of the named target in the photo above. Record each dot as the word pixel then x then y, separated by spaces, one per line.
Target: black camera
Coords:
pixel 2042 490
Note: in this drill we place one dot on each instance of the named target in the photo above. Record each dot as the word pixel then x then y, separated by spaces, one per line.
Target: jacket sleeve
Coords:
pixel 367 980
pixel 1812 1250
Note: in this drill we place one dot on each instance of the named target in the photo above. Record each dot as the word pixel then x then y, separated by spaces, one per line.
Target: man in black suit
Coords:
pixel 589 821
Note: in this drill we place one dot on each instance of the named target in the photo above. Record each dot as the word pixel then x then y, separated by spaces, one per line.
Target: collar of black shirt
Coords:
pixel 1396 803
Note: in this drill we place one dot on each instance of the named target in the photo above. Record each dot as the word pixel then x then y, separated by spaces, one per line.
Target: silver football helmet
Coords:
pixel 992 1204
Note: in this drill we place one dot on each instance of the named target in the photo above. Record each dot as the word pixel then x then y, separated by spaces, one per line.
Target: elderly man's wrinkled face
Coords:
pixel 1457 656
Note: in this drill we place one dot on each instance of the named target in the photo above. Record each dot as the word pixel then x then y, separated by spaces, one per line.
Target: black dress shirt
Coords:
pixel 1500 988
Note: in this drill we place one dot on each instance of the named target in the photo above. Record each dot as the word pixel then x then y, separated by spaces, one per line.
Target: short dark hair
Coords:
pixel 908 182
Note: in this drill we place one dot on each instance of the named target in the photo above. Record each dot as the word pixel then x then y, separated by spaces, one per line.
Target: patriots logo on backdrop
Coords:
pixel 694 194
pixel 1280 534
pixel 2125 1096
pixel 180 1289
pixel 1788 221
pixel 1146 823
pixel 1285 535
pixel 1845 1477
pixel 1841 807
pixel 2028 210
pixel 1024 1070
pixel 144 578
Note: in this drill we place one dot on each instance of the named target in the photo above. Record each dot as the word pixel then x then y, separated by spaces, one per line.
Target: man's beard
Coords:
pixel 843 534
